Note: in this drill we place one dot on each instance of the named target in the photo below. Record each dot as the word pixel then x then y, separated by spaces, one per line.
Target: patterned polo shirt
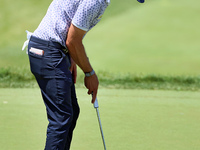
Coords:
pixel 83 14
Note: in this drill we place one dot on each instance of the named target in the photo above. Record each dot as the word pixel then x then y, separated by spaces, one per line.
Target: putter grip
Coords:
pixel 96 105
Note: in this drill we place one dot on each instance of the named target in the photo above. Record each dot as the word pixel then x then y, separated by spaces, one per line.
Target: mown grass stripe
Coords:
pixel 24 78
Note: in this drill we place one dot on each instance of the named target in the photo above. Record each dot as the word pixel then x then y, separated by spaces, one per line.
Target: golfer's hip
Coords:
pixel 47 58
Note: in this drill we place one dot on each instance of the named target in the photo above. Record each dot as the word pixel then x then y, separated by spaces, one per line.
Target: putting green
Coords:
pixel 131 119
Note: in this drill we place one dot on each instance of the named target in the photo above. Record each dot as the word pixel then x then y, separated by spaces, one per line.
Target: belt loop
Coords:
pixel 48 43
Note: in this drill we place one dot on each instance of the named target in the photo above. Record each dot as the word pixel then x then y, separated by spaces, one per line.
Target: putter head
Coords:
pixel 96 105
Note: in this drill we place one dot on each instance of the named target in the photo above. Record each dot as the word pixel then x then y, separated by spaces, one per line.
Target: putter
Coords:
pixel 96 106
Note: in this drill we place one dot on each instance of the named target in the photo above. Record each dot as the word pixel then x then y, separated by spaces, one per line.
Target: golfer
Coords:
pixel 54 49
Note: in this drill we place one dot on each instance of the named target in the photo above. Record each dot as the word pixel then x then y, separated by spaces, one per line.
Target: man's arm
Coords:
pixel 78 54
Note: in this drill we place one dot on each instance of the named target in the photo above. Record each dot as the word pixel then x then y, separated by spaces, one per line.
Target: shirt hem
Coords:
pixel 82 28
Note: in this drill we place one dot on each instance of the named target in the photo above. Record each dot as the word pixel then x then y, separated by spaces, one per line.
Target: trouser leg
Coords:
pixel 65 126
pixel 54 78
pixel 76 111
pixel 56 94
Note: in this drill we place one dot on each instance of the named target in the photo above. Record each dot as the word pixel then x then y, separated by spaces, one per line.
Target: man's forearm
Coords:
pixel 78 54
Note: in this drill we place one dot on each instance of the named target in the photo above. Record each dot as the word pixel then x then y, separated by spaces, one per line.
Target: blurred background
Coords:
pixel 159 36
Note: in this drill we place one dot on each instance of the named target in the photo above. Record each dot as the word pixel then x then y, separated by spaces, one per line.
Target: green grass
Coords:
pixel 23 78
pixel 131 119
pixel 158 37
pixel 136 46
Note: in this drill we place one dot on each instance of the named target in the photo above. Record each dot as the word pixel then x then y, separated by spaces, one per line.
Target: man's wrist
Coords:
pixel 88 74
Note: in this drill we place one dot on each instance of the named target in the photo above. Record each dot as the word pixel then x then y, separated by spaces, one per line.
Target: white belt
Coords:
pixel 28 39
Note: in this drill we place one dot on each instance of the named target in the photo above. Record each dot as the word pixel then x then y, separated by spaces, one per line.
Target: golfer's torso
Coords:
pixel 84 14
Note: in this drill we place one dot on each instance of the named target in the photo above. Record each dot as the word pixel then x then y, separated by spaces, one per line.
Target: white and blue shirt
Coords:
pixel 83 14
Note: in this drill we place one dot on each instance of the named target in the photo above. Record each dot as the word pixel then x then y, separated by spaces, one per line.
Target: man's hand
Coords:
pixel 92 83
pixel 73 70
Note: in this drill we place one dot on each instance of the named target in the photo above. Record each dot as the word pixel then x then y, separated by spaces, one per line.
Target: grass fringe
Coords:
pixel 22 78
pixel 150 81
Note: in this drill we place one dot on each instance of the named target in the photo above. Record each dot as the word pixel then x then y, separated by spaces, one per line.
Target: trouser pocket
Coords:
pixel 47 62
pixel 36 63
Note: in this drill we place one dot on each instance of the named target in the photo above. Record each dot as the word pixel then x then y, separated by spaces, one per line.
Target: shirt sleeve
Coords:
pixel 86 13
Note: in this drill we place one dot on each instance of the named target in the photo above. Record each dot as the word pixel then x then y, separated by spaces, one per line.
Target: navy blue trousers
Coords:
pixel 51 70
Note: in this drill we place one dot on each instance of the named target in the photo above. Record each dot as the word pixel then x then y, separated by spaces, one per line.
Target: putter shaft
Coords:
pixel 98 116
